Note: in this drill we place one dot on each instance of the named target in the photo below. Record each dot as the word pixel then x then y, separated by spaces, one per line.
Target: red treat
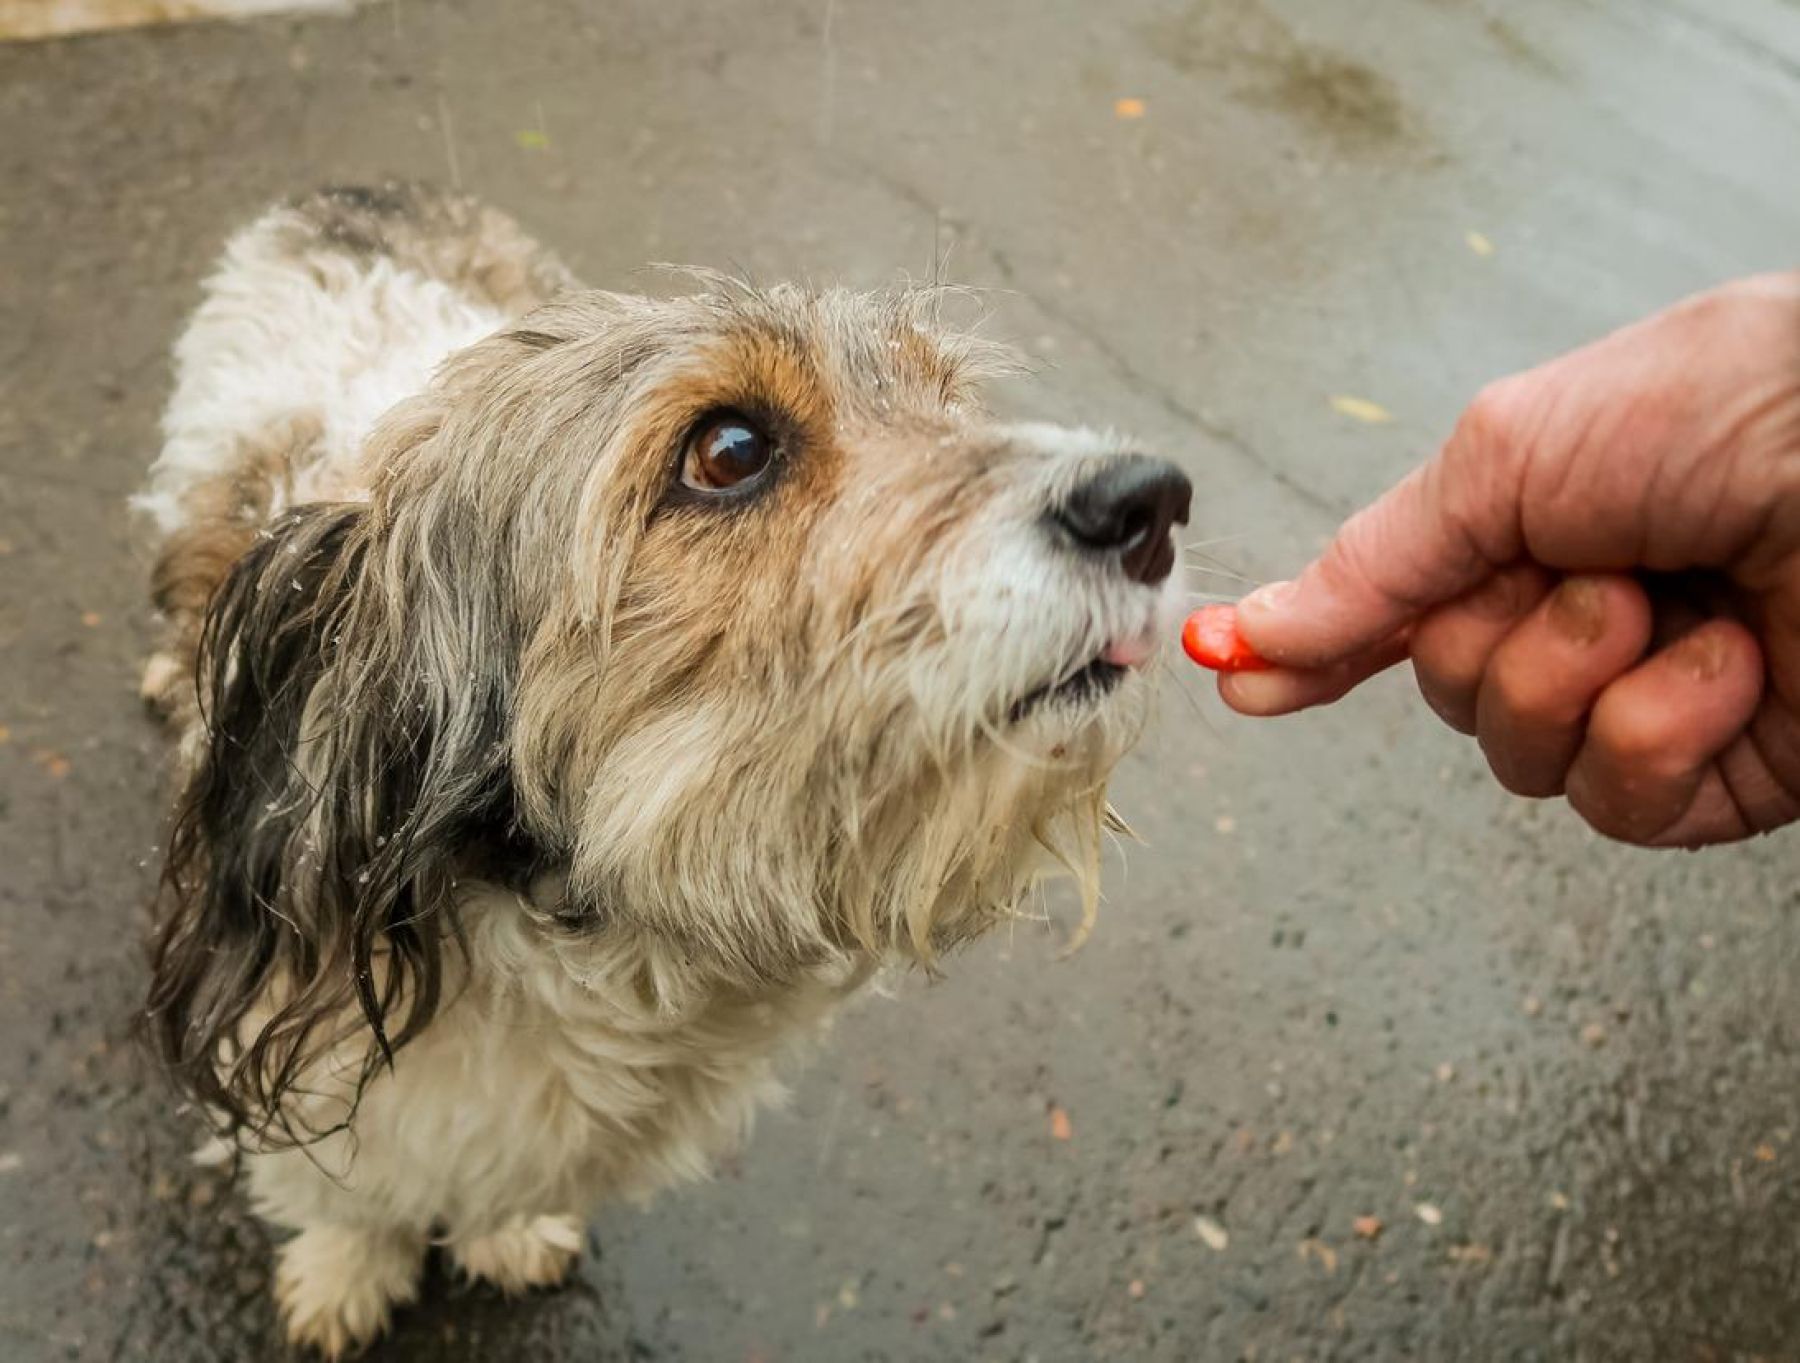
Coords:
pixel 1211 639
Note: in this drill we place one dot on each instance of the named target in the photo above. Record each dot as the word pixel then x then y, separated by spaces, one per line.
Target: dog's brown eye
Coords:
pixel 725 451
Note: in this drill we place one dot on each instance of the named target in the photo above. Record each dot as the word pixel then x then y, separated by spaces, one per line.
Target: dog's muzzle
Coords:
pixel 1120 518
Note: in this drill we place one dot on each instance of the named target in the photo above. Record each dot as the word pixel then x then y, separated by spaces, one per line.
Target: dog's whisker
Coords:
pixel 1187 678
pixel 1234 581
pixel 1216 539
pixel 1219 573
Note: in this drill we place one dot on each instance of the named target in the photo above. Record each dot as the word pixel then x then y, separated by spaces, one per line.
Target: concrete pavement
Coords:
pixel 1345 978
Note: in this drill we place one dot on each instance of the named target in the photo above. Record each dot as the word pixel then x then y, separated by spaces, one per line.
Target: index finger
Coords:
pixel 1438 532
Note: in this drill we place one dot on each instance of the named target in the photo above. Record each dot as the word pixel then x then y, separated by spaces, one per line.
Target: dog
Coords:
pixel 577 697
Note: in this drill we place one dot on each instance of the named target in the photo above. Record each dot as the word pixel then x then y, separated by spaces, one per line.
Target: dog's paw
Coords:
pixel 337 1285
pixel 525 1253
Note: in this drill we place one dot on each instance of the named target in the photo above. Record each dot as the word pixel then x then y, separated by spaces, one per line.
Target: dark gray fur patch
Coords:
pixel 442 234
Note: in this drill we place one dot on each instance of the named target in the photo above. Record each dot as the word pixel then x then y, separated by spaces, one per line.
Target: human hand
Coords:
pixel 1598 577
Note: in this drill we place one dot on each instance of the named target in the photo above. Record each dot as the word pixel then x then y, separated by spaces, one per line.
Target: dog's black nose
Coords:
pixel 1126 508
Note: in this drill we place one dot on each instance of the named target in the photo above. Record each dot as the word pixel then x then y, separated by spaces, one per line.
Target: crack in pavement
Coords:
pixel 1729 35
pixel 1120 365
pixel 1135 380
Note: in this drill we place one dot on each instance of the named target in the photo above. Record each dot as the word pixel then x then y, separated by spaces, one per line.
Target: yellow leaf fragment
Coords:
pixel 1317 1249
pixel 1361 409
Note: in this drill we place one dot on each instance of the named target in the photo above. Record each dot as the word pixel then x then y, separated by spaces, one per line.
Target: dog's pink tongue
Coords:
pixel 1130 652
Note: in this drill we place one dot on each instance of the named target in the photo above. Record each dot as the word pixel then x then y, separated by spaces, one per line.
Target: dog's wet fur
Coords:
pixel 536 800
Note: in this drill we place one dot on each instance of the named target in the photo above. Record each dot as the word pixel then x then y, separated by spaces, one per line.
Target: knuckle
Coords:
pixel 1480 469
pixel 1611 811
pixel 1450 701
pixel 1509 594
pixel 1444 655
pixel 1349 557
pixel 1528 694
pixel 1639 737
pixel 1492 418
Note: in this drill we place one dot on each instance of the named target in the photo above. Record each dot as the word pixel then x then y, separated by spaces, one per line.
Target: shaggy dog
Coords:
pixel 579 695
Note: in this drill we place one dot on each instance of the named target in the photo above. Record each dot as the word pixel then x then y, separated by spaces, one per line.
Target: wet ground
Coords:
pixel 1345 978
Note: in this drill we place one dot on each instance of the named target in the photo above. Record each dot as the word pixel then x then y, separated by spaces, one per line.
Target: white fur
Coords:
pixel 337 340
pixel 543 1088
pixel 337 1285
pixel 527 1252
pixel 546 1087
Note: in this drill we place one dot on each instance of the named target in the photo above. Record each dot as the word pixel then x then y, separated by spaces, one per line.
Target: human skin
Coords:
pixel 1598 577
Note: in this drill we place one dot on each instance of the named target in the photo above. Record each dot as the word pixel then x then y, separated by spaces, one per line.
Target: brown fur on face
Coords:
pixel 768 729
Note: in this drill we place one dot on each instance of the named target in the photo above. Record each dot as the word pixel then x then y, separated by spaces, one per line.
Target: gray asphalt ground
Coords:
pixel 1345 977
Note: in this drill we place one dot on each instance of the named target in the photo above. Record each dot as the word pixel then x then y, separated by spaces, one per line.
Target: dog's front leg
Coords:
pixel 526 1252
pixel 337 1285
pixel 359 1247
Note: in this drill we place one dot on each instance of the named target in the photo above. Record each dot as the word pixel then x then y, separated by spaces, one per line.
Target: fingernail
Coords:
pixel 1578 610
pixel 1501 597
pixel 1258 693
pixel 1701 655
pixel 1275 596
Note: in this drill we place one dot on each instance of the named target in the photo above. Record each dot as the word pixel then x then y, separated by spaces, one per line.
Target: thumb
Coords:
pixel 1441 530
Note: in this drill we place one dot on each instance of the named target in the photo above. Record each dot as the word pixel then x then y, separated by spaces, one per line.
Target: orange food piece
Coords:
pixel 1210 637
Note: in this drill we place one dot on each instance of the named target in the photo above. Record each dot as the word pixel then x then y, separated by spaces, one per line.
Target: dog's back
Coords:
pixel 322 314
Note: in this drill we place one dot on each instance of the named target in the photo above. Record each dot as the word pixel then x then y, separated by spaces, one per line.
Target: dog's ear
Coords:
pixel 354 752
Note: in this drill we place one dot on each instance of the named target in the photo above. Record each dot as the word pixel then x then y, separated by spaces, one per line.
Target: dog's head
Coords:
pixel 736 612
